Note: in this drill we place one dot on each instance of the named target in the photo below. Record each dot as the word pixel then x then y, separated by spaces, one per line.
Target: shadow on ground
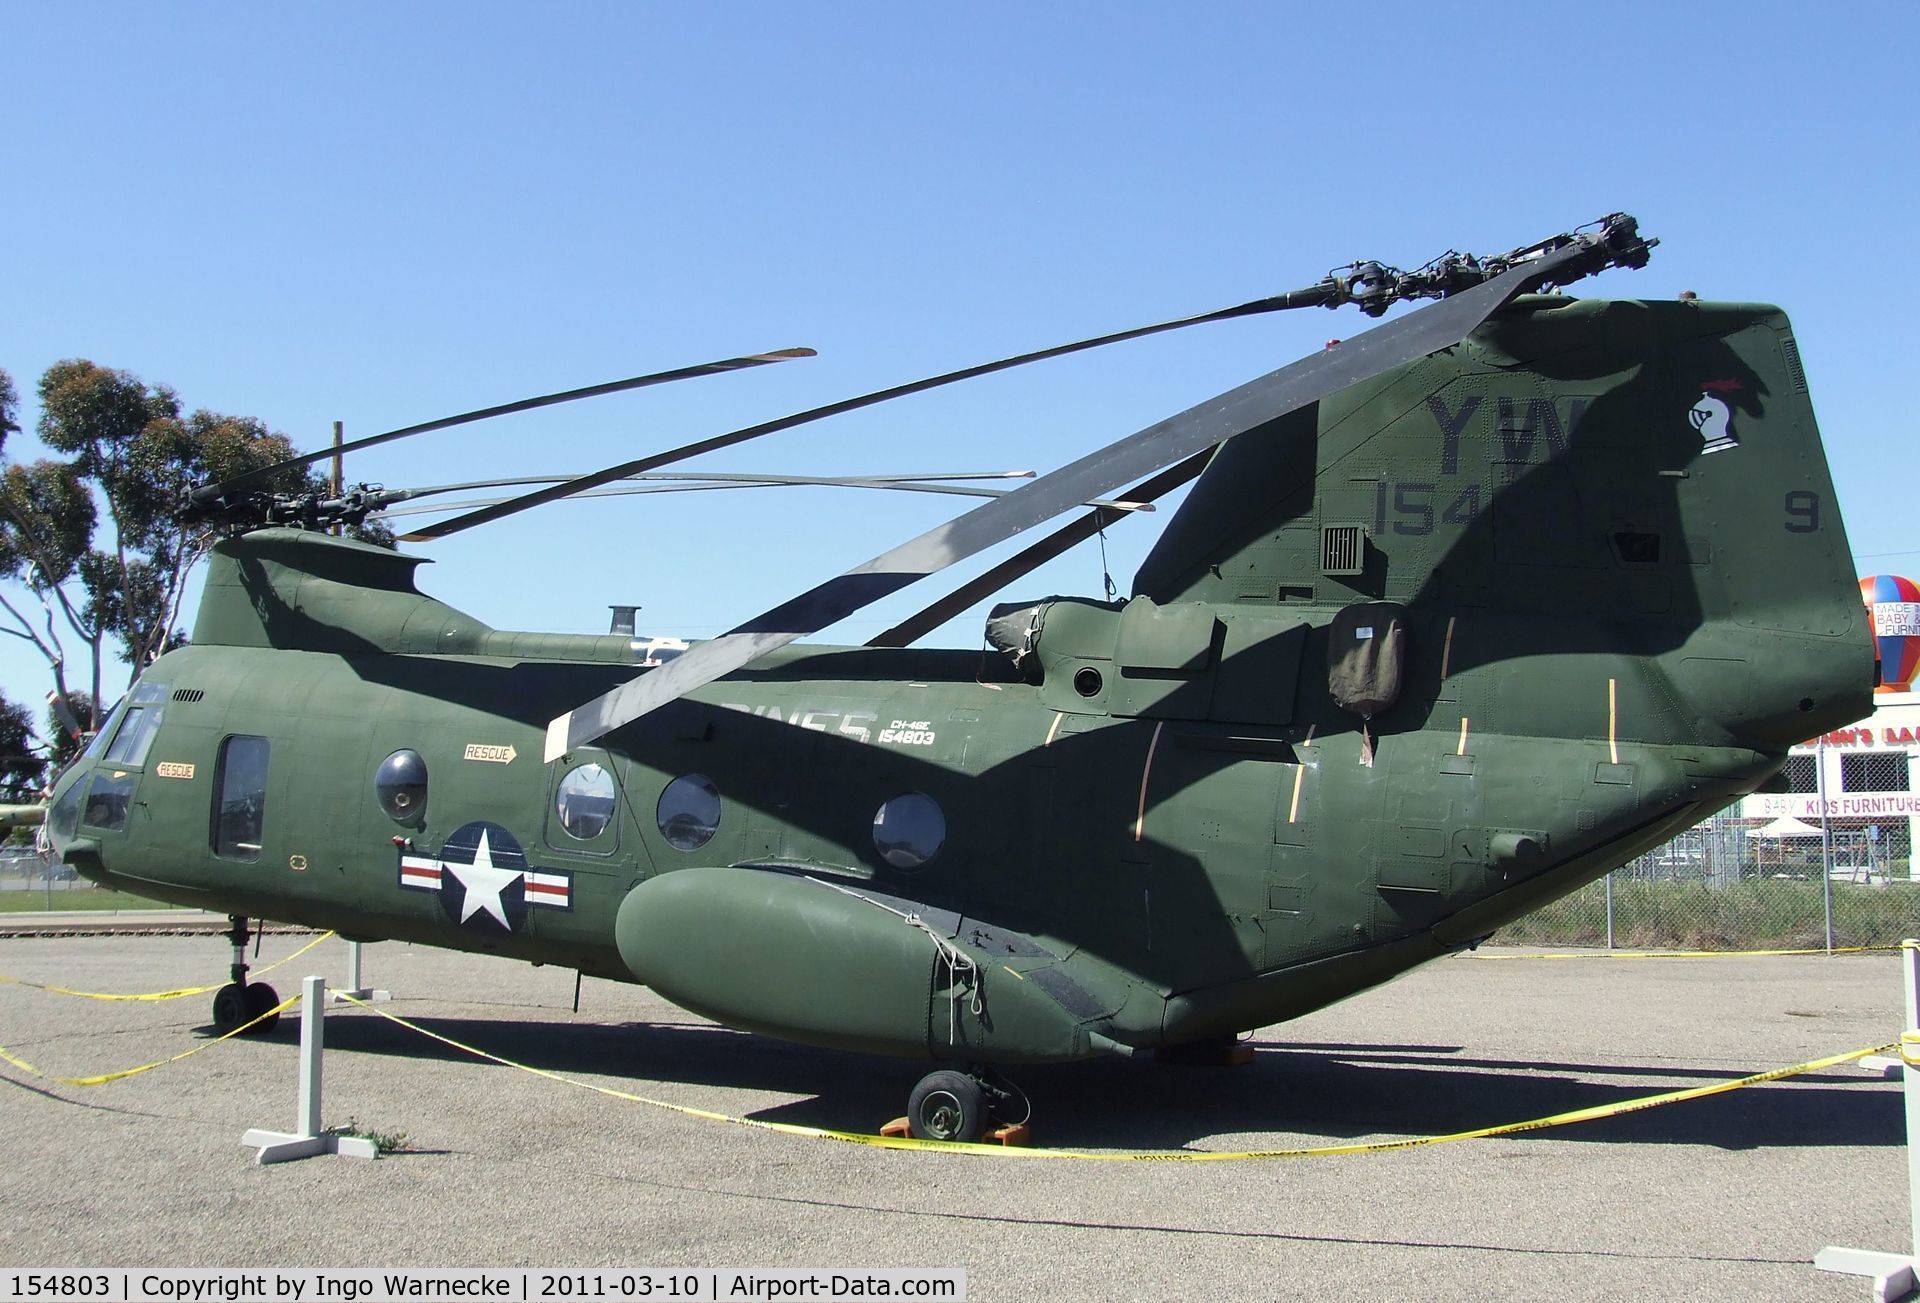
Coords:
pixel 1290 1095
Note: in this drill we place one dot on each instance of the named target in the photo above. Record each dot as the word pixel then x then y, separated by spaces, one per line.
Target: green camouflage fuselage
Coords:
pixel 1607 529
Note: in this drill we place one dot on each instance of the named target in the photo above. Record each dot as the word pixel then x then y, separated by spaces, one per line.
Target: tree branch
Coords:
pixel 53 657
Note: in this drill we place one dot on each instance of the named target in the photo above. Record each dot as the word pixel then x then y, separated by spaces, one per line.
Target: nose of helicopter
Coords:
pixel 63 809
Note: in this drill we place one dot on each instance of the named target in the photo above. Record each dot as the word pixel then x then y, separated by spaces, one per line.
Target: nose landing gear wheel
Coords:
pixel 947 1106
pixel 261 998
pixel 230 1007
pixel 239 1001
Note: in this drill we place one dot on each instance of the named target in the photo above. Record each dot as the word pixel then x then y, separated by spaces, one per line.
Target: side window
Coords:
pixel 909 830
pixel 240 798
pixel 689 812
pixel 585 802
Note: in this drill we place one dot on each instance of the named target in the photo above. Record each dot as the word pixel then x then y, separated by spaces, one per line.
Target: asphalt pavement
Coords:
pixel 1726 1196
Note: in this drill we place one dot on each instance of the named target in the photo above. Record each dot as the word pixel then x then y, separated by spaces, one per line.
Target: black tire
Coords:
pixel 947 1106
pixel 230 1007
pixel 260 998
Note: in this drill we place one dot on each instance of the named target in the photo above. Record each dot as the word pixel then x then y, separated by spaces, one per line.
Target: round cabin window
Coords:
pixel 689 812
pixel 909 830
pixel 585 802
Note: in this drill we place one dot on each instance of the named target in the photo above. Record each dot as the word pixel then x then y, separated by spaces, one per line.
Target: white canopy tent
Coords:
pixel 1785 826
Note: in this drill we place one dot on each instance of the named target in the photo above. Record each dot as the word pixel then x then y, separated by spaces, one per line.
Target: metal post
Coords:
pixel 339 472
pixel 355 988
pixel 1826 838
pixel 308 1139
pixel 313 1039
pixel 1909 1046
pixel 1609 911
pixel 1893 1273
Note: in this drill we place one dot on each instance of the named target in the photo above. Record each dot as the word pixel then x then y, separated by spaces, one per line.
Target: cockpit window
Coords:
pixel 64 815
pixel 240 815
pixel 107 799
pixel 98 742
pixel 141 721
pixel 135 736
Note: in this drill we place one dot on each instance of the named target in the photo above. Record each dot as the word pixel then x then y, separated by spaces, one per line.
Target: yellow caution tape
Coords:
pixel 1157 1155
pixel 1688 954
pixel 1909 1055
pixel 160 995
pixel 105 1077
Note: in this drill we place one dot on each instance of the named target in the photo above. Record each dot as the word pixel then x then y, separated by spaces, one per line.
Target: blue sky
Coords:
pixel 385 213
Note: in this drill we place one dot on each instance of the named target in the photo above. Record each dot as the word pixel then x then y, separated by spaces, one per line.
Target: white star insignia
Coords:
pixel 483 882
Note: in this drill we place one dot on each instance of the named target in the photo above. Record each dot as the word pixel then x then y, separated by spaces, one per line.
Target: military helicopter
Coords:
pixel 1459 614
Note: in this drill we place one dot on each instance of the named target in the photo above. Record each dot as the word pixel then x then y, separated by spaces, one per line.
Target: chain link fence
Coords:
pixel 1748 883
pixel 32 883
pixel 25 875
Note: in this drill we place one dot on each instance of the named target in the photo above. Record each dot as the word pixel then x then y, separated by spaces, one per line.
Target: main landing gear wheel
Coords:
pixel 235 1006
pixel 947 1106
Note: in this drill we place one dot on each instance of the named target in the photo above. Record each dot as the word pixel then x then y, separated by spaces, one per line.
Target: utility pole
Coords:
pixel 339 471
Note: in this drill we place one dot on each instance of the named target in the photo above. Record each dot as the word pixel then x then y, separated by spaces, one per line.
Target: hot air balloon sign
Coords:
pixel 1895 606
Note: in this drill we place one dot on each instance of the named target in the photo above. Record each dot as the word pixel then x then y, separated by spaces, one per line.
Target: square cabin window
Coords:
pixel 240 798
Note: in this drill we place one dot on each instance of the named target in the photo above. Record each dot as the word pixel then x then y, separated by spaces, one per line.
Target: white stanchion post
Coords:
pixel 355 988
pixel 308 1139
pixel 1893 1273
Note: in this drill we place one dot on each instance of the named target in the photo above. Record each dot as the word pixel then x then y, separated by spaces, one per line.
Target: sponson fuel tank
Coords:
pixel 853 968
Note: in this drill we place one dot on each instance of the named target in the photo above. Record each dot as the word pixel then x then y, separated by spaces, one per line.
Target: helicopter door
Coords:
pixel 1209 819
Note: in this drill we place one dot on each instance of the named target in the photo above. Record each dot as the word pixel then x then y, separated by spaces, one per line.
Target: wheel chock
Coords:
pixel 1205 1054
pixel 1020 1134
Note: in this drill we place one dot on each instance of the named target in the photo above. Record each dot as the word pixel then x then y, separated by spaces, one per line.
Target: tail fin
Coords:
pixel 1601 475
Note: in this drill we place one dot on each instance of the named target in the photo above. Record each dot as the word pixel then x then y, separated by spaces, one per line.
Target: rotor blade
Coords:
pixel 1024 562
pixel 209 492
pixel 1118 509
pixel 1392 344
pixel 408 495
pixel 1314 297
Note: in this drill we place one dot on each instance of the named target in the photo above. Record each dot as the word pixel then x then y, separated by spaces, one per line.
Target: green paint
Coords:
pixel 1634 630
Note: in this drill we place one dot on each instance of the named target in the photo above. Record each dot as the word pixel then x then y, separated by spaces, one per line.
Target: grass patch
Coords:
pixel 38 900
pixel 383 1142
pixel 1753 915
